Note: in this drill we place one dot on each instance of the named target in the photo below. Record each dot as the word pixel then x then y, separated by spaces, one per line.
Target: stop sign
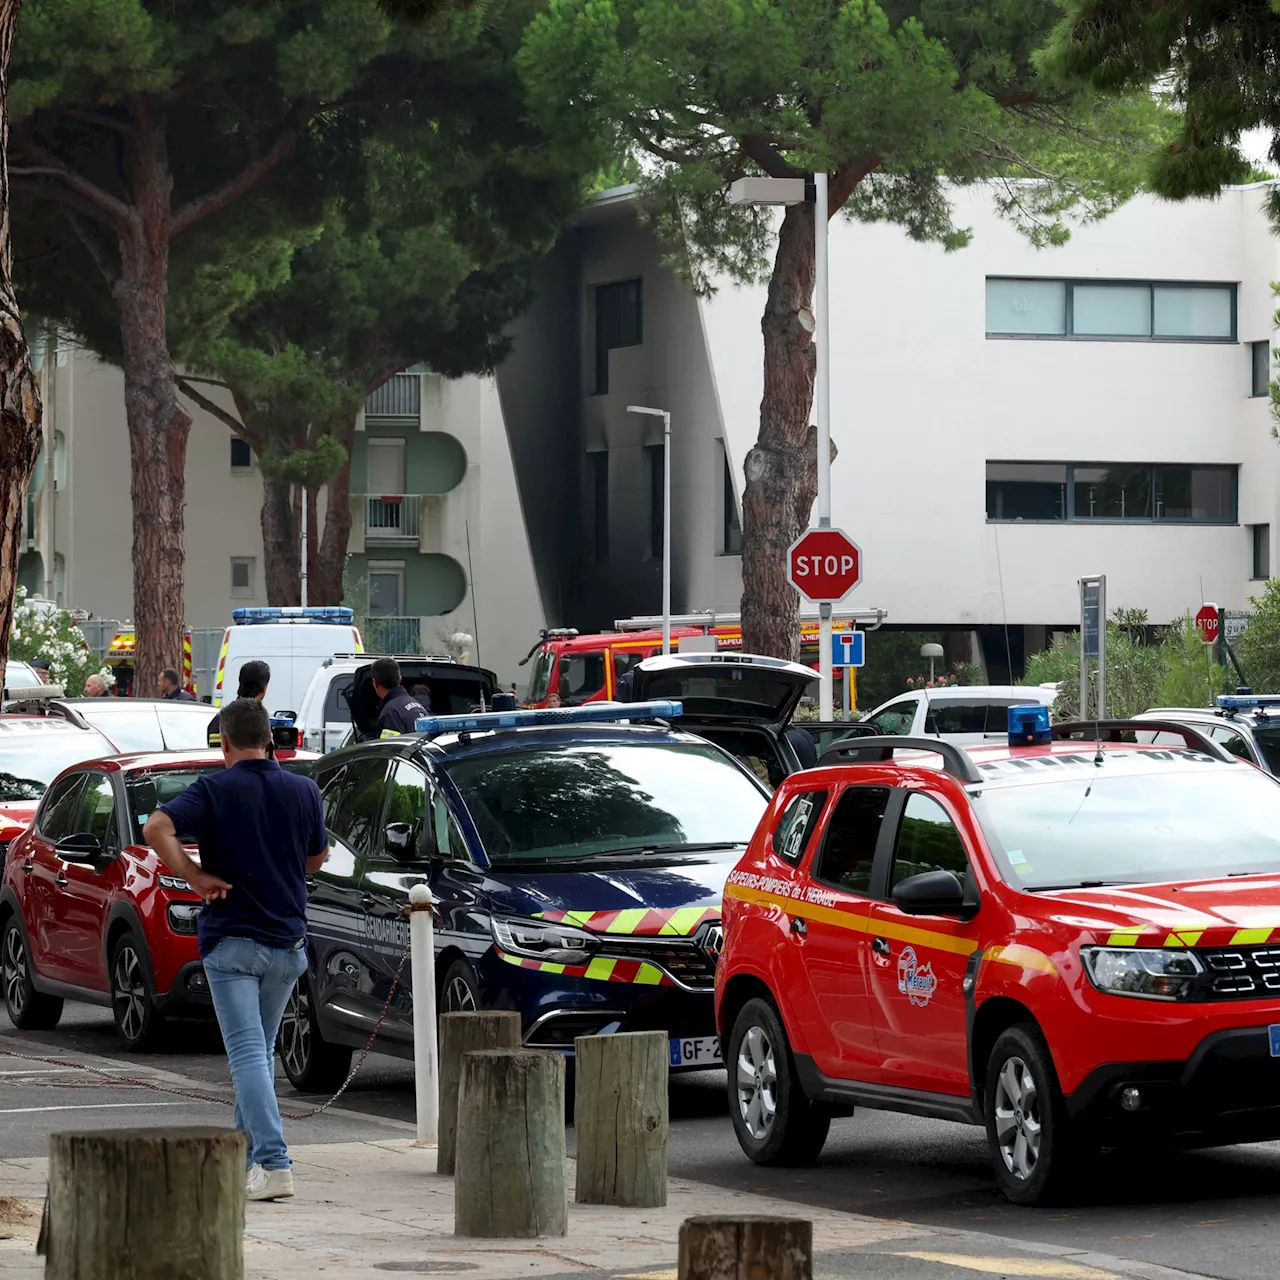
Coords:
pixel 1207 623
pixel 824 565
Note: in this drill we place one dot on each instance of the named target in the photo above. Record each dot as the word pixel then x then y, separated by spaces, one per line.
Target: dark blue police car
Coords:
pixel 579 863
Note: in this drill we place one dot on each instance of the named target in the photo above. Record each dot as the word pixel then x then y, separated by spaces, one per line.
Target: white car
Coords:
pixel 960 713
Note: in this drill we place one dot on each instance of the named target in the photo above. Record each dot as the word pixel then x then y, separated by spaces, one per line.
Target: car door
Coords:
pixel 833 939
pixel 1232 739
pixel 86 890
pixel 42 869
pixel 897 719
pixel 918 963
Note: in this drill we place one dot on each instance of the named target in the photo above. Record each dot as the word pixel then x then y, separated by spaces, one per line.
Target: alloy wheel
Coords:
pixel 15 972
pixel 129 993
pixel 1017 1116
pixel 295 1031
pixel 458 996
pixel 757 1083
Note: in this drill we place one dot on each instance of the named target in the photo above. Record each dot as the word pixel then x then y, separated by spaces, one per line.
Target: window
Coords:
pixel 618 310
pixel 386 589
pixel 1125 309
pixel 98 811
pixel 927 841
pixel 242 575
pixel 654 459
pixel 850 845
pixel 580 676
pixel 897 718
pixel 598 489
pixel 1260 535
pixel 448 839
pixel 407 801
pixel 241 455
pixel 730 526
pixel 337 710
pixel 791 836
pixel 1232 740
pixel 358 804
pixel 1260 360
pixel 61 808
pixel 1050 491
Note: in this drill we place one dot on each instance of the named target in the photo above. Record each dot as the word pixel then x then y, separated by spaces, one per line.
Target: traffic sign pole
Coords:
pixel 822 391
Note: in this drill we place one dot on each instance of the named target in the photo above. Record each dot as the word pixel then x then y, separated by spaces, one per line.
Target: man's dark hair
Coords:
pixel 244 724
pixel 386 671
pixel 254 678
pixel 172 676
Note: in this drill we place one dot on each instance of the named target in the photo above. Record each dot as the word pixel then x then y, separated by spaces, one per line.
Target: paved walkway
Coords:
pixel 366 1209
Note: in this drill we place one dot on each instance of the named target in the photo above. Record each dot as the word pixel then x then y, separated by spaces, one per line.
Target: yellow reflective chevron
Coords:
pixel 626 921
pixel 600 969
pixel 1124 938
pixel 1184 938
pixel 1244 936
pixel 684 921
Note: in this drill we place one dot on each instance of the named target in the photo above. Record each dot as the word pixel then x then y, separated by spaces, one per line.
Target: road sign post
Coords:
pixel 1093 641
pixel 848 649
pixel 824 565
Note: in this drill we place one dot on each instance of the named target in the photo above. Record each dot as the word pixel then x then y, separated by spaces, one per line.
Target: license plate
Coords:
pixel 1273 1032
pixel 704 1051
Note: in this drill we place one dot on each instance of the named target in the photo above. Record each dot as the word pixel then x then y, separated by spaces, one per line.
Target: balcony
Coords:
pixel 392 635
pixel 391 517
pixel 399 397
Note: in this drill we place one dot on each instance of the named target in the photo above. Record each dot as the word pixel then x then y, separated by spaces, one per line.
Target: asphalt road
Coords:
pixel 1214 1213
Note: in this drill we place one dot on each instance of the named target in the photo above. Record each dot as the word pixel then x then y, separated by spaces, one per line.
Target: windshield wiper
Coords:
pixel 1076 884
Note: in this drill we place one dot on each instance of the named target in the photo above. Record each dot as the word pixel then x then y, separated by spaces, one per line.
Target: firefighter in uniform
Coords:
pixel 400 709
pixel 254 678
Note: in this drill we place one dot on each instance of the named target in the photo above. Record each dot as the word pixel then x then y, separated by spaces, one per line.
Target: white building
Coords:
pixel 1008 419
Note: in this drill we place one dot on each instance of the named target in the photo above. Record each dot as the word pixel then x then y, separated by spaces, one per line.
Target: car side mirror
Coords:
pixel 933 893
pixel 80 848
pixel 397 839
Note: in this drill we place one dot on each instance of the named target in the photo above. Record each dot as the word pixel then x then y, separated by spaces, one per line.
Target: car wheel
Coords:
pixel 28 1009
pixel 774 1120
pixel 1034 1146
pixel 312 1064
pixel 459 989
pixel 133 999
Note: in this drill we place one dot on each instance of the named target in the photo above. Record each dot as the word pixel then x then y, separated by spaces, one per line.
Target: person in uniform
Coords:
pixel 400 710
pixel 254 678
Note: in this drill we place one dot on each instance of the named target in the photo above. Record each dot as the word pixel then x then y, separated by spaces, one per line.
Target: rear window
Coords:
pixel 337 710
pixel 33 753
pixel 971 717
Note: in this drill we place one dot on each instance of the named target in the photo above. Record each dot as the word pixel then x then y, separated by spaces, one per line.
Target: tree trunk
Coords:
pixel 781 469
pixel 331 559
pixel 746 1247
pixel 158 424
pixel 19 395
pixel 279 543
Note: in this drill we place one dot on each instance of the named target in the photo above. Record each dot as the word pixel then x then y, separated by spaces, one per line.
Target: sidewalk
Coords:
pixel 367 1209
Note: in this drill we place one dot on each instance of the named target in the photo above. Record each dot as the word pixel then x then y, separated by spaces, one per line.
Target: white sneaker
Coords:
pixel 268 1184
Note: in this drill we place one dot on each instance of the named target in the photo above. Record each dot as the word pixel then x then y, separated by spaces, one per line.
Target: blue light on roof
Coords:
pixel 274 613
pixel 598 713
pixel 1029 725
pixel 1242 702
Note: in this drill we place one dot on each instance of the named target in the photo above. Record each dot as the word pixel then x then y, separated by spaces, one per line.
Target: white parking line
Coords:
pixel 87 1106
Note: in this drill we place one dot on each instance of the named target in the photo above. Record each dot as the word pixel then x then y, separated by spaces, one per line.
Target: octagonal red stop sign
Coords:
pixel 824 565
pixel 1207 623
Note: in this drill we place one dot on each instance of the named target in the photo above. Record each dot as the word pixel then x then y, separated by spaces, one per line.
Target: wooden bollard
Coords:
pixel 146 1204
pixel 509 1173
pixel 620 1118
pixel 746 1247
pixel 464 1033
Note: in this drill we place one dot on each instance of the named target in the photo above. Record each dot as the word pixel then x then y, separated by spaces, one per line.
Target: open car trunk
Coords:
pixel 444 688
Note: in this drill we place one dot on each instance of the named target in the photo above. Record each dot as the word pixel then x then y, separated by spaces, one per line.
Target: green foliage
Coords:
pixel 42 632
pixel 1259 648
pixel 894 665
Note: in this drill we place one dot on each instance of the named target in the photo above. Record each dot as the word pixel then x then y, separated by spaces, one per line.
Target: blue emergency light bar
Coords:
pixel 319 613
pixel 599 713
pixel 1029 725
pixel 1242 702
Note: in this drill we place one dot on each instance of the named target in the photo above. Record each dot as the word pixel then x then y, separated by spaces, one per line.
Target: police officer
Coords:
pixel 400 710
pixel 254 678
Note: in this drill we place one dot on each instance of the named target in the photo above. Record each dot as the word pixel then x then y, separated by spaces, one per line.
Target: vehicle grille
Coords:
pixel 1240 973
pixel 687 963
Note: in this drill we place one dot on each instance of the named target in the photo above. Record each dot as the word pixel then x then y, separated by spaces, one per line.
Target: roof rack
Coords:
pixel 1110 731
pixel 872 750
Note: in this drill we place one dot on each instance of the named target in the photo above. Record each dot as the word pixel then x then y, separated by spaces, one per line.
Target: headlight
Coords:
pixel 541 940
pixel 182 916
pixel 175 882
pixel 1126 971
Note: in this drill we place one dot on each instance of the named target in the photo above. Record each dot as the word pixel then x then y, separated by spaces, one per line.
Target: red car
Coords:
pixel 88 912
pixel 1075 944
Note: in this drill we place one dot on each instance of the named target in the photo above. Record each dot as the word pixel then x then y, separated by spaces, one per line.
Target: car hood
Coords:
pixel 15 816
pixel 1244 909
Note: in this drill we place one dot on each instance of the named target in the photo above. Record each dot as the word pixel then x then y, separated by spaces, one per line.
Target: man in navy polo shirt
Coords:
pixel 260 832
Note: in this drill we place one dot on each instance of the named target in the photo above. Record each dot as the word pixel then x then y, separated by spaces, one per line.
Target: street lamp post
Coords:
pixel 785 191
pixel 666 517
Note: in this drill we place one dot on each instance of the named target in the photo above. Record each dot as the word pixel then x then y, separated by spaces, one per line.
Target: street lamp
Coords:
pixel 933 652
pixel 666 517
pixel 782 191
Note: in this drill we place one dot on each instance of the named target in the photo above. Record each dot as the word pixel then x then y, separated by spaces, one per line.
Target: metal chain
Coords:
pixel 195 1095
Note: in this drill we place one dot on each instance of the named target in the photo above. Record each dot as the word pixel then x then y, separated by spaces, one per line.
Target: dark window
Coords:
pixel 897 718
pixel 98 810
pixel 355 813
pixel 618 324
pixel 791 836
pixel 1232 740
pixel 1260 357
pixel 336 707
pixel 407 800
pixel 654 457
pixel 956 717
pixel 598 487
pixel 927 841
pixel 850 845
pixel 732 526
pixel 1261 536
pixel 61 808
pixel 241 454
pixel 581 676
pixel 146 792
pixel 1111 491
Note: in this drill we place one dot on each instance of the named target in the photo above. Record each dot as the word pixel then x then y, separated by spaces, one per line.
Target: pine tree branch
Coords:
pixel 115 211
pixel 210 406
pixel 95 118
pixel 845 181
pixel 87 233
pixel 212 201
pixel 755 146
pixel 243 119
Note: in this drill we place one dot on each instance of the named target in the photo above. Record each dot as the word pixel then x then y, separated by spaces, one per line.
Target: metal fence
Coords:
pixel 392 635
pixel 398 397
pixel 391 517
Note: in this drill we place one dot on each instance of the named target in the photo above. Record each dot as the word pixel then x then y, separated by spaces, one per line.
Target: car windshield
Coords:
pixel 149 790
pixel 1268 741
pixel 32 756
pixel 608 798
pixel 540 676
pixel 1121 827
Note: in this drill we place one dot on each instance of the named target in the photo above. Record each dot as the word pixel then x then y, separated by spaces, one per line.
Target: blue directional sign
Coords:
pixel 848 648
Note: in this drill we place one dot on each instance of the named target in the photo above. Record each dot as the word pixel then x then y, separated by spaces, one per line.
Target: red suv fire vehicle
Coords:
pixel 88 912
pixel 1073 942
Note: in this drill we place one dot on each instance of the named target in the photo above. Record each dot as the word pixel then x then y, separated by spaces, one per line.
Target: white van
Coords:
pixel 963 714
pixel 293 642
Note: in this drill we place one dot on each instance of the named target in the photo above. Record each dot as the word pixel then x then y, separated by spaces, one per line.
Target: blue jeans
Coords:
pixel 250 983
